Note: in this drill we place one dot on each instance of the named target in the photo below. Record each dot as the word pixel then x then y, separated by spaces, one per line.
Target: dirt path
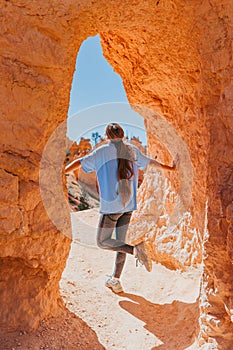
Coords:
pixel 157 310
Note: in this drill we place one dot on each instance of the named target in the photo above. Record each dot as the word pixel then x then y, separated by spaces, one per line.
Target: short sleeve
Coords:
pixel 89 162
pixel 141 159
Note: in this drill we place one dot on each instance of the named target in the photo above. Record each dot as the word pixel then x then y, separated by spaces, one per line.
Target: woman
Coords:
pixel 116 164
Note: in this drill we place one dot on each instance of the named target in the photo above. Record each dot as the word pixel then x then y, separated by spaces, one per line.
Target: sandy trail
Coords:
pixel 158 310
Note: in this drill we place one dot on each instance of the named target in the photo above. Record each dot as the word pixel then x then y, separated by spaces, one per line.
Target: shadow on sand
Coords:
pixel 175 324
pixel 64 331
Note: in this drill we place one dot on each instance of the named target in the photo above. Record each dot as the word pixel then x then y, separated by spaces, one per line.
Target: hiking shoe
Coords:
pixel 138 263
pixel 114 284
pixel 141 255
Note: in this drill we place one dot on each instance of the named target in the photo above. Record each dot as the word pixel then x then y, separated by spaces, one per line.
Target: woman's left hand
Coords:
pixel 176 161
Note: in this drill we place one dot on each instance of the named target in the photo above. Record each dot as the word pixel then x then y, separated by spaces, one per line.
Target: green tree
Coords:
pixel 95 136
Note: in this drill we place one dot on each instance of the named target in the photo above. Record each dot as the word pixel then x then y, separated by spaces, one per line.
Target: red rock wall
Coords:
pixel 217 99
pixel 35 89
pixel 175 59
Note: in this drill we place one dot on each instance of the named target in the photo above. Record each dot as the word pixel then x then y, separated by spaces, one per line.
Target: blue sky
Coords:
pixel 98 96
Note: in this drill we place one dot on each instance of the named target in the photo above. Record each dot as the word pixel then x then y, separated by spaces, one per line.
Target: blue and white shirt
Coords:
pixel 104 161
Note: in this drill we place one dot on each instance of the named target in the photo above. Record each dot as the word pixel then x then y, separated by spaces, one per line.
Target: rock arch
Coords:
pixel 175 59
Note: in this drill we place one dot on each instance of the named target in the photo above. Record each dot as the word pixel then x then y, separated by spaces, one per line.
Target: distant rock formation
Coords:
pixel 75 150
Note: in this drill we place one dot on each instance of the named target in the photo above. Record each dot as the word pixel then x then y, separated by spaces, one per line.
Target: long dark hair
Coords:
pixel 125 159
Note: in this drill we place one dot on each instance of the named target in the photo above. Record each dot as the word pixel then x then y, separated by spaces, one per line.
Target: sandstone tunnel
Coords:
pixel 175 60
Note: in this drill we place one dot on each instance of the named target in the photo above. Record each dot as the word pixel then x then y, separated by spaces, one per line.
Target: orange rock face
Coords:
pixel 175 59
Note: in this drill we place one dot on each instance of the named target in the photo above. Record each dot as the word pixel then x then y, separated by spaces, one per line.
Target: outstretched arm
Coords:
pixel 73 166
pixel 163 166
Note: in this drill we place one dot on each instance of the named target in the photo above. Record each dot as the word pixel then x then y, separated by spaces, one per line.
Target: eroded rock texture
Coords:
pixel 175 59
